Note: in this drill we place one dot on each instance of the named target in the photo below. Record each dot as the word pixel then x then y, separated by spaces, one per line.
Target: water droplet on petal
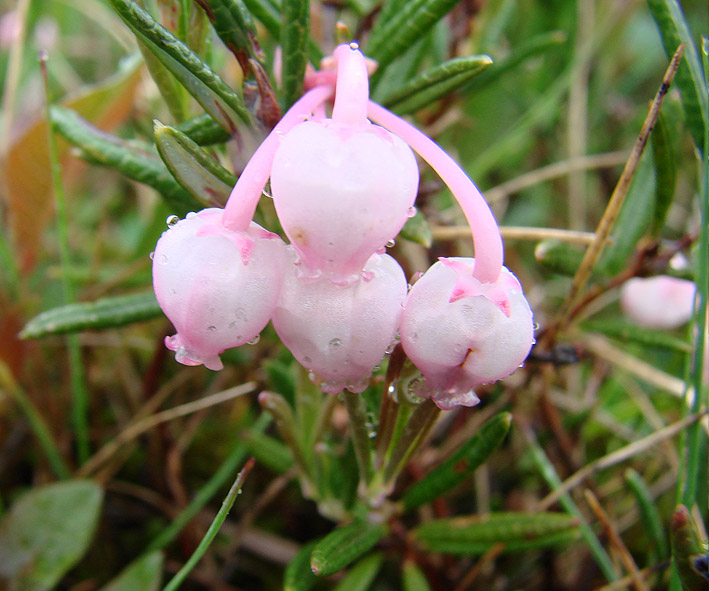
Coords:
pixel 334 343
pixel 536 327
pixel 354 46
pixel 172 220
pixel 312 377
pixel 411 212
pixel 211 328
pixel 152 255
pixel 162 260
pixel 255 340
pixel 267 194
pixel 391 243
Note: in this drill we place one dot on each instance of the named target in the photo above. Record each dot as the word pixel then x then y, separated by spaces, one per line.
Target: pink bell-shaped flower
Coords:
pixel 343 187
pixel 662 302
pixel 340 333
pixel 342 191
pixel 462 333
pixel 218 287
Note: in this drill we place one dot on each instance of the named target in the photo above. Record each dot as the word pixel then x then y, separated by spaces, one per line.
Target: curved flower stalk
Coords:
pixel 662 302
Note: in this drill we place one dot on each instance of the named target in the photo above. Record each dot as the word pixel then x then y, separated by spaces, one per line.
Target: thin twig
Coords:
pixel 618 456
pixel 138 428
pixel 517 233
pixel 616 201
pixel 616 541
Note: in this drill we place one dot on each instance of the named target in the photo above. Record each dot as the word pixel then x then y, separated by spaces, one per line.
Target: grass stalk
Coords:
pixel 79 391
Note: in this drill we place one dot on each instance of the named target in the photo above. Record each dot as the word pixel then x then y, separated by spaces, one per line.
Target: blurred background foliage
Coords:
pixel 544 131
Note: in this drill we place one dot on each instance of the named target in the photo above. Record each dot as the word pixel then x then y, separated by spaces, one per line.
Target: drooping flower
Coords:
pixel 662 302
pixel 218 288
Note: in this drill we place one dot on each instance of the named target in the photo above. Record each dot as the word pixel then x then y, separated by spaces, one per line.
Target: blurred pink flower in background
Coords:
pixel 658 302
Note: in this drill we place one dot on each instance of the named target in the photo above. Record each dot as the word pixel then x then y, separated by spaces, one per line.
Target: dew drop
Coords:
pixel 391 389
pixel 391 243
pixel 191 215
pixel 152 255
pixel 312 377
pixel 267 194
pixel 211 328
pixel 535 327
pixel 162 260
pixel 307 360
pixel 334 343
pixel 172 220
pixel 255 340
pixel 411 212
pixel 354 46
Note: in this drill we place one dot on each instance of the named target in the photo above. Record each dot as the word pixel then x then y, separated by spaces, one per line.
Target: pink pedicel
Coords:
pixel 218 288
pixel 341 333
pixel 462 340
pixel 343 187
pixel 662 302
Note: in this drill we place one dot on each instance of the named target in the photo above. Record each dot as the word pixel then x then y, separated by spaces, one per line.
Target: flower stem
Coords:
pixel 240 208
pixel 357 411
pixel 352 91
pixel 486 234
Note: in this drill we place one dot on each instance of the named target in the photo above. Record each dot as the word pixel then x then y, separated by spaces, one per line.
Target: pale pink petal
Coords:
pixel 658 302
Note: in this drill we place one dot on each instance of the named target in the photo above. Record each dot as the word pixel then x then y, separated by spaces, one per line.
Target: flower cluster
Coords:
pixel 343 187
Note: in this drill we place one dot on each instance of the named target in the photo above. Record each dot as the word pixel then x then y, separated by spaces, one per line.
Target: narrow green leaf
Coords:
pixel 232 21
pixel 650 517
pixel 220 101
pixel 344 545
pixel 477 534
pixel 435 83
pixel 417 230
pixel 140 165
pixel 268 451
pixel 663 155
pixel 361 576
pixel 193 168
pixel 143 574
pixel 690 77
pixel 268 12
pixel 404 28
pixel 412 578
pixel 294 39
pixel 171 91
pixel 626 331
pixel 104 313
pixel 558 257
pixel 46 532
pixel 203 130
pixel 634 219
pixel 298 575
pixel 461 464
pixel 685 547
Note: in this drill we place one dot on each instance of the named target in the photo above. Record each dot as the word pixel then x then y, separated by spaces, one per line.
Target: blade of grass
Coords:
pixel 550 475
pixel 614 204
pixel 236 457
pixel 234 492
pixel 79 392
pixel 36 421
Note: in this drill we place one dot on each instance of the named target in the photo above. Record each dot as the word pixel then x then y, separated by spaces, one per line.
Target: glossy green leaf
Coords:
pixel 417 230
pixel 139 164
pixel 559 257
pixel 193 168
pixel 294 40
pixel 46 532
pixel 412 578
pixel 104 313
pixel 344 545
pixel 685 547
pixel 203 130
pixel 690 77
pixel 268 451
pixel 361 576
pixel 143 574
pixel 404 28
pixel 663 155
pixel 461 464
pixel 209 90
pixel 435 83
pixel 626 331
pixel 171 91
pixel 299 576
pixel 232 21
pixel 649 515
pixel 477 534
